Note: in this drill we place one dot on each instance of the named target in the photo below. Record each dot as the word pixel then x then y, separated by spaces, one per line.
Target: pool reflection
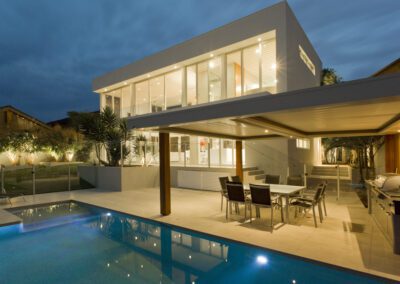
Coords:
pixel 173 255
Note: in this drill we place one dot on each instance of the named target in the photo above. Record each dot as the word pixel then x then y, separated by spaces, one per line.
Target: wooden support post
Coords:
pixel 239 159
pixel 165 179
pixel 392 153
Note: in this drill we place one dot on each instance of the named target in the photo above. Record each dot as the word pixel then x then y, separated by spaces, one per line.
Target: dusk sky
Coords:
pixel 50 50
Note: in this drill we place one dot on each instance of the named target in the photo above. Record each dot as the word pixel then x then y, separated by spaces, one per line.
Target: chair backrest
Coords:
pixel 260 194
pixel 295 180
pixel 274 179
pixel 325 184
pixel 223 181
pixel 235 191
pixel 320 190
pixel 236 179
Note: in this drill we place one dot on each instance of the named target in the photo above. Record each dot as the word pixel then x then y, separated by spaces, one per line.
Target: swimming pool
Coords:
pixel 78 243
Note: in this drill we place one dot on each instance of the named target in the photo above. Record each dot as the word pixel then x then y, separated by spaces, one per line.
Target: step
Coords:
pixel 6 218
pixel 247 169
pixel 259 177
pixel 255 172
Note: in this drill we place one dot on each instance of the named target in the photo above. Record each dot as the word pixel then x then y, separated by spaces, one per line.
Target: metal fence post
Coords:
pixel 305 175
pixel 184 154
pixel 338 182
pixel 3 190
pixel 33 180
pixel 69 177
pixel 122 155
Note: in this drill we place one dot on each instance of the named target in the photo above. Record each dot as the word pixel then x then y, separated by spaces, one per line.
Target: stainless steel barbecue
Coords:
pixel 388 183
pixel 384 206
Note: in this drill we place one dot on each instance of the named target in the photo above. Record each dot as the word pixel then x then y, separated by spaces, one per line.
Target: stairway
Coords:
pixel 253 174
pixel 330 172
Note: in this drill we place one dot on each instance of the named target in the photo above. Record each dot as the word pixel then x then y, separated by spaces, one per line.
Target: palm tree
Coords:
pixel 106 131
pixel 329 76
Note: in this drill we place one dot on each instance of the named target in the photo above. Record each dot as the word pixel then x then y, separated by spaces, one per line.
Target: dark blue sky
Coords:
pixel 50 50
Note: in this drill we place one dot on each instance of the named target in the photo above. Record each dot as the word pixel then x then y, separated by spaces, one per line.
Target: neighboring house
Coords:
pixel 15 119
pixel 391 68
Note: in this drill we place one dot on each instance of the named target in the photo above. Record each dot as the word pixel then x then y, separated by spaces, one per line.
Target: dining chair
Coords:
pixel 295 180
pixel 224 192
pixel 261 197
pixel 272 179
pixel 310 192
pixel 236 179
pixel 310 203
pixel 236 195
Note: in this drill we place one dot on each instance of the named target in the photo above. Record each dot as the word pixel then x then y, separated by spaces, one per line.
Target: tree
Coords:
pixel 106 131
pixel 329 76
pixel 366 148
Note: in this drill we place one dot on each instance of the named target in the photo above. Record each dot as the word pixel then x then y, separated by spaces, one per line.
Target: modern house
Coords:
pixel 247 96
pixel 266 52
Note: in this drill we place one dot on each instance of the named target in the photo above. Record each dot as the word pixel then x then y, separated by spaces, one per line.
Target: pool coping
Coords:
pixel 169 225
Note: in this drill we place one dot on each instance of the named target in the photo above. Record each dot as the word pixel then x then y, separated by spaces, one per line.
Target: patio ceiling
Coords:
pixel 363 107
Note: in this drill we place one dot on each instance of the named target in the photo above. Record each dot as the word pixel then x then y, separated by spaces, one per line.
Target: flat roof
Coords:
pixel 260 22
pixel 367 106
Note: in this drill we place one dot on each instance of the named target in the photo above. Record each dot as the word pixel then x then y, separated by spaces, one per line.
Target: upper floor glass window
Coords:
pixel 142 103
pixel 191 85
pixel 234 75
pixel 157 94
pixel 251 68
pixel 173 89
pixel 240 72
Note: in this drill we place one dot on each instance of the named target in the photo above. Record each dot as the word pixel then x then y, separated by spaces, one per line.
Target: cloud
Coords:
pixel 50 51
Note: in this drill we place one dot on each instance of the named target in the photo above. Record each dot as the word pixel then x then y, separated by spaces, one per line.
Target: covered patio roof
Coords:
pixel 368 106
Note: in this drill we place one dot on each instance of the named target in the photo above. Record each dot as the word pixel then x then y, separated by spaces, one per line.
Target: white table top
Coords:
pixel 283 189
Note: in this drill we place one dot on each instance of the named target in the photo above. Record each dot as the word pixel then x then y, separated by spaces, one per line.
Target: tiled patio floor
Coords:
pixel 348 237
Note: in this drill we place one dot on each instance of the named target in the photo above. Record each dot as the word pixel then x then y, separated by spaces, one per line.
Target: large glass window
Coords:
pixel 117 106
pixel 251 67
pixel 214 79
pixel 203 150
pixel 157 94
pixel 191 85
pixel 247 70
pixel 202 73
pixel 234 74
pixel 173 89
pixel 268 66
pixel 142 97
pixel 215 154
pixel 109 101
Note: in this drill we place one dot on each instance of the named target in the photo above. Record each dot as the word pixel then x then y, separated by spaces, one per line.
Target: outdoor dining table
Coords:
pixel 283 190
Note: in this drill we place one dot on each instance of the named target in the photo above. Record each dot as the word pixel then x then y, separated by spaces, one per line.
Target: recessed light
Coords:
pixel 291 137
pixel 259 39
pixel 148 75
pixel 175 66
pixel 105 89
pixel 266 130
pixel 125 83
pixel 212 55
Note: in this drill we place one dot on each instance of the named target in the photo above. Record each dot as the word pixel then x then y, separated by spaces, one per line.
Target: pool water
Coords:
pixel 77 243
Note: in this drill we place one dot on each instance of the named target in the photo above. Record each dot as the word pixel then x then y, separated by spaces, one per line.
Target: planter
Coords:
pixel 120 179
